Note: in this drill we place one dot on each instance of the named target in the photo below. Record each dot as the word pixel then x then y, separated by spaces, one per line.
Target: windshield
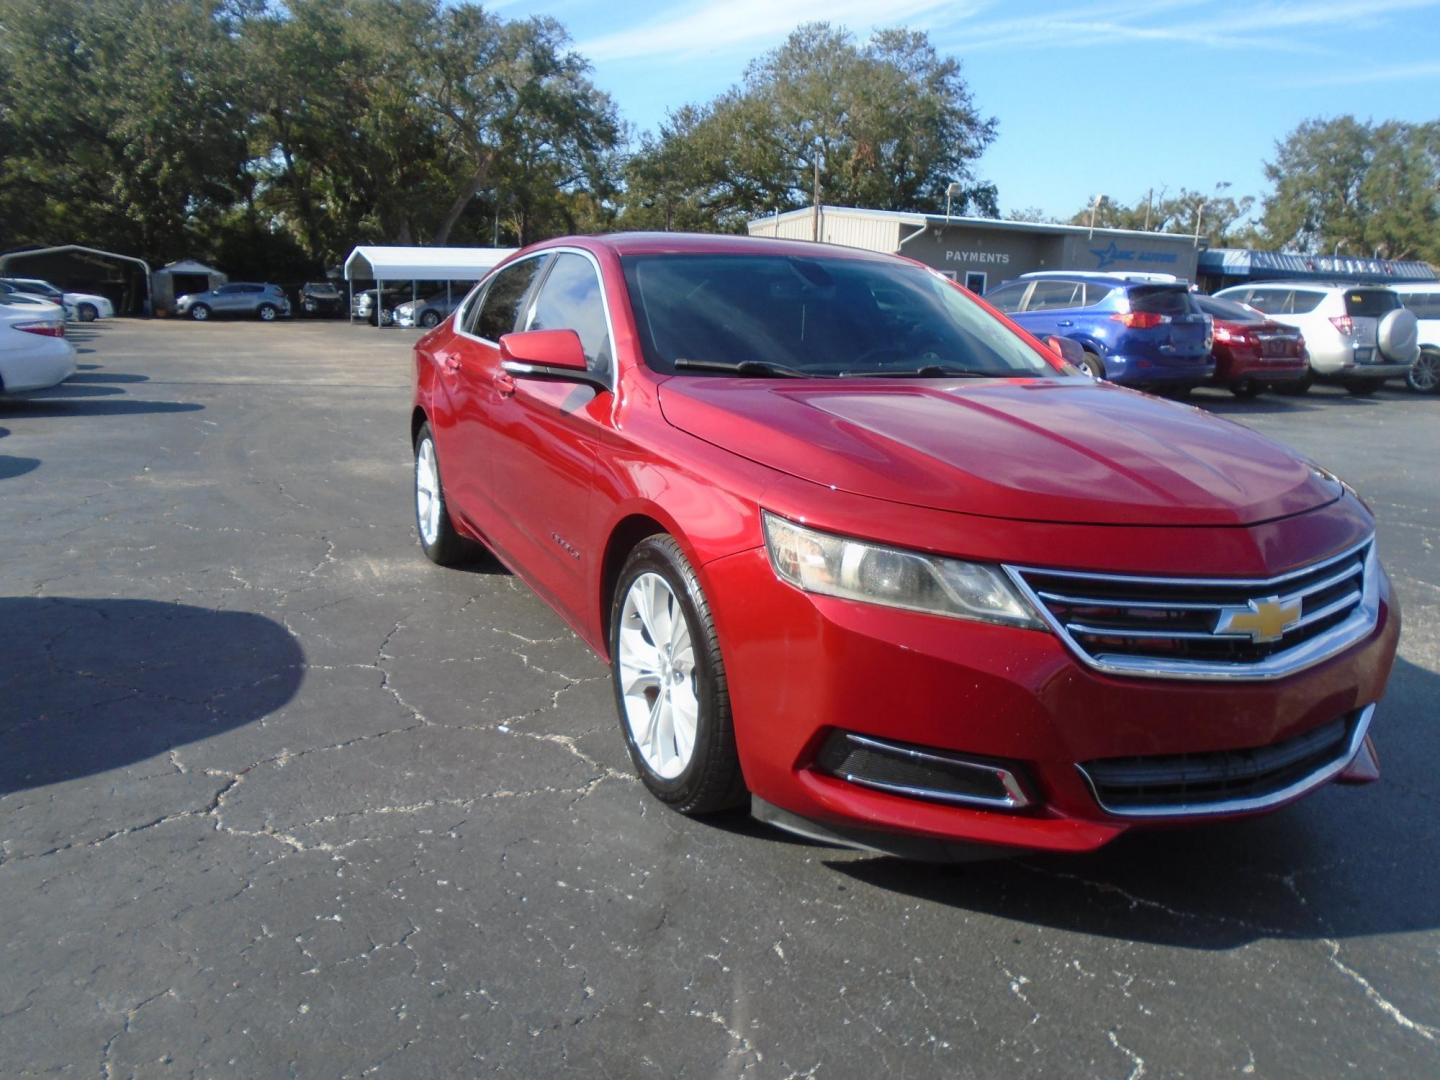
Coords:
pixel 816 317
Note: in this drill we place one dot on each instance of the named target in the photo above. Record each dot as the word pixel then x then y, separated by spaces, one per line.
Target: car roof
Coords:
pixel 1117 277
pixel 1313 286
pixel 672 243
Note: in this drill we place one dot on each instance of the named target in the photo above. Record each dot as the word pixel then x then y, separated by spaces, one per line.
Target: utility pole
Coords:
pixel 815 199
pixel 1149 205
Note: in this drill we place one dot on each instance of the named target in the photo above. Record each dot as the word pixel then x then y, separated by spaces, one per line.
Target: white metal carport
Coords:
pixel 380 263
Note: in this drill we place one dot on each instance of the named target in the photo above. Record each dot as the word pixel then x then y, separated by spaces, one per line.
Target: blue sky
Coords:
pixel 1115 97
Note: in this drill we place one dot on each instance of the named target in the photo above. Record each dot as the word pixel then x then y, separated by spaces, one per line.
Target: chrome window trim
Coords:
pixel 1015 797
pixel 480 288
pixel 1303 786
pixel 1307 654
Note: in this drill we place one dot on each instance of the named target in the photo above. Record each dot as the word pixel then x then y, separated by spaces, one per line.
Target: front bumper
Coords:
pixel 801 666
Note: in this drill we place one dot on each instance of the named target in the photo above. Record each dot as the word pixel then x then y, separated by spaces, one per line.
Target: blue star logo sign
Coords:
pixel 1109 256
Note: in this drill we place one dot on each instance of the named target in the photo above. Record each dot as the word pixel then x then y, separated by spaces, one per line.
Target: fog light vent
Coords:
pixel 920 773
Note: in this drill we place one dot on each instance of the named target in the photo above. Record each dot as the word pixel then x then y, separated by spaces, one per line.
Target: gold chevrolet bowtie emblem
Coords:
pixel 1264 620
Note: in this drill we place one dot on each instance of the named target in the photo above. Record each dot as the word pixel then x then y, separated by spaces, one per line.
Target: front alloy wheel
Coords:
pixel 267 312
pixel 670 682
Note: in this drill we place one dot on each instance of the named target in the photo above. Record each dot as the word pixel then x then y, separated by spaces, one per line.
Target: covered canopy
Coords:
pixel 375 263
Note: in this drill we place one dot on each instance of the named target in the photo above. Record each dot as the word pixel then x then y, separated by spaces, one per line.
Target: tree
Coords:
pixel 1217 218
pixel 1356 187
pixel 889 124
pixel 124 122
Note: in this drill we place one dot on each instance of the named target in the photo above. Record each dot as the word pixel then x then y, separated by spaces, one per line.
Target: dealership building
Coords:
pixel 982 252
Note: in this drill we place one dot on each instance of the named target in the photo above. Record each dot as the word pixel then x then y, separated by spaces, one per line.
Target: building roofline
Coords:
pixel 921 218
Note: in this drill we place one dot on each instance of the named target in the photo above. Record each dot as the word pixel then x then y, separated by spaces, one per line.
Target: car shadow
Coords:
pixel 92 685
pixel 44 408
pixel 11 467
pixel 87 377
pixel 1347 862
pixel 1317 399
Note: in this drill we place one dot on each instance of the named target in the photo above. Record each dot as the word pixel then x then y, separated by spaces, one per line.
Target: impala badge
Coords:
pixel 1263 620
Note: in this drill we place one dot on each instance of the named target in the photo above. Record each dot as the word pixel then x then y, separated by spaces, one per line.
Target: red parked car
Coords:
pixel 1252 352
pixel 865 554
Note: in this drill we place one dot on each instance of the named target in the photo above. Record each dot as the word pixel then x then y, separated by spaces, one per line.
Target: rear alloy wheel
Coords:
pixel 1424 375
pixel 670 683
pixel 1093 364
pixel 1363 387
pixel 267 312
pixel 430 319
pixel 87 313
pixel 438 539
pixel 200 312
pixel 1245 389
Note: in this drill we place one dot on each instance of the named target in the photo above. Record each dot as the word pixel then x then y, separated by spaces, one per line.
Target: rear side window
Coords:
pixel 500 310
pixel 1055 294
pixel 1270 301
pixel 1007 297
pixel 1424 305
pixel 1373 302
pixel 570 300
pixel 1096 293
pixel 1302 302
pixel 1172 300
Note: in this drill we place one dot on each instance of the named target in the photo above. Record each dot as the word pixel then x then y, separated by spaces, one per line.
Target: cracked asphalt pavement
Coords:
pixel 278 797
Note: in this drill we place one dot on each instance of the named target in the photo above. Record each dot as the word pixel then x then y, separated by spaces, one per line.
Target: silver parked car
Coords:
pixel 428 312
pixel 1357 335
pixel 265 302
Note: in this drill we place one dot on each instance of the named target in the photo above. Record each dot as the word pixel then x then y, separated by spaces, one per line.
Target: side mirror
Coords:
pixel 1069 351
pixel 556 355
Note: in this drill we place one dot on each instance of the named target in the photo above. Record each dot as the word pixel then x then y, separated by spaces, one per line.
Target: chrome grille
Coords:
pixel 1209 628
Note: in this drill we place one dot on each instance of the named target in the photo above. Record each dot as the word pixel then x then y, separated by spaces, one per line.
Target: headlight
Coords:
pixel 838 566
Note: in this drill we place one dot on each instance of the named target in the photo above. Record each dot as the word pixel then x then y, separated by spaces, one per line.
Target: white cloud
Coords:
pixel 715 25
pixel 1396 73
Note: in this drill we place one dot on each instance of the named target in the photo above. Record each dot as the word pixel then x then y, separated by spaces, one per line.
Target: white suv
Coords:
pixel 1424 301
pixel 1357 335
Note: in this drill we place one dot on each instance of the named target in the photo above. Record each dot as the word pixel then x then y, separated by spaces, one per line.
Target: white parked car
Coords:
pixel 34 354
pixel 1424 301
pixel 87 307
pixel 1357 335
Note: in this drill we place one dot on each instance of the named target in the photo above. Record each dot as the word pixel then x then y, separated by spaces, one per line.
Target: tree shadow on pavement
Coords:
pixel 92 685
pixel 1346 862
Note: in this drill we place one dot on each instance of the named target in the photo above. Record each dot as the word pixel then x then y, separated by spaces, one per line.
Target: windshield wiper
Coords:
pixel 927 371
pixel 744 367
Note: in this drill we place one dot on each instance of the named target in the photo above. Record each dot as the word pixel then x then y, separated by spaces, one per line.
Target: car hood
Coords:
pixel 1035 450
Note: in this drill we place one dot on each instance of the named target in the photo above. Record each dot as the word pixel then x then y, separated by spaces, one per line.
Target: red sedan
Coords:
pixel 1252 352
pixel 864 555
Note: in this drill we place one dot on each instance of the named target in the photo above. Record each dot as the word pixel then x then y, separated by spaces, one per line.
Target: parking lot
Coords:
pixel 279 797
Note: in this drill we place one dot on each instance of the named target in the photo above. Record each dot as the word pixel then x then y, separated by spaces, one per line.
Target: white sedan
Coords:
pixel 87 307
pixel 34 354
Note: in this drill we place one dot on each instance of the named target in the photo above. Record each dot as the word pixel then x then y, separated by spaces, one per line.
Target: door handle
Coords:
pixel 504 385
pixel 1066 322
pixel 449 364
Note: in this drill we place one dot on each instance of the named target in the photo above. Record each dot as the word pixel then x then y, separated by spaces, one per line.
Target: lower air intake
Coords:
pixel 921 773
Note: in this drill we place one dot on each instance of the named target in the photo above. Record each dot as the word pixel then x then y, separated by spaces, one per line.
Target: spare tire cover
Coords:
pixel 1398 336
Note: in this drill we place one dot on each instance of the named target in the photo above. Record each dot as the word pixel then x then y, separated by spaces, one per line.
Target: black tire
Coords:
pixel 267 312
pixel 1093 364
pixel 430 320
pixel 1424 375
pixel 87 313
pixel 200 312
pixel 447 547
pixel 1296 387
pixel 711 782
pixel 1363 387
pixel 1245 389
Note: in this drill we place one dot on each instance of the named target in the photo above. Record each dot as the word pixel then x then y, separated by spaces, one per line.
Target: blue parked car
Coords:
pixel 1136 329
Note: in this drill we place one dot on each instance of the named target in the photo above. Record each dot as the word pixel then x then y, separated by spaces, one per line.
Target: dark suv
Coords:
pixel 1136 329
